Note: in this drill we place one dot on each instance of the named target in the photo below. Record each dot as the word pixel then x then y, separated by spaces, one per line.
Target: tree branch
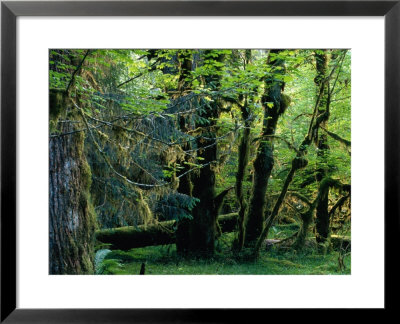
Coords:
pixel 152 67
pixel 337 137
pixel 77 70
pixel 301 197
pixel 338 204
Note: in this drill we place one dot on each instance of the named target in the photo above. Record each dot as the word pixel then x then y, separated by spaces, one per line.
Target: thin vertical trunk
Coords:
pixel 243 160
pixel 243 152
pixel 185 67
pixel 185 182
pixel 72 219
pixel 299 162
pixel 322 217
pixel 264 161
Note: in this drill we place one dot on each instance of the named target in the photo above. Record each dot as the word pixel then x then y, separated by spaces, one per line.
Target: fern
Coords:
pixel 176 206
pixel 107 264
pixel 99 259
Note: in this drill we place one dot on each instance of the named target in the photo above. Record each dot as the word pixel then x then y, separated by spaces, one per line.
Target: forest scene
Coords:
pixel 200 161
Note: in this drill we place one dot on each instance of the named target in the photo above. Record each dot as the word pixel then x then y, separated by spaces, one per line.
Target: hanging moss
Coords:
pixel 144 209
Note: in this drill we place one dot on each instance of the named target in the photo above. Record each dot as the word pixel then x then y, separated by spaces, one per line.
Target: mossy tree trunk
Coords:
pixel 306 220
pixel 243 161
pixel 322 215
pixel 323 191
pixel 264 161
pixel 321 112
pixel 202 229
pixel 325 183
pixel 299 162
pixel 72 219
pixel 185 182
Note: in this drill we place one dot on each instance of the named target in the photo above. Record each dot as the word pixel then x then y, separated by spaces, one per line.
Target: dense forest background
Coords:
pixel 199 161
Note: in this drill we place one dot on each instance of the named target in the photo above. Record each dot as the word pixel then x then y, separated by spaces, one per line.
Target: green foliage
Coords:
pixel 149 128
pixel 163 260
pixel 176 206
pixel 99 266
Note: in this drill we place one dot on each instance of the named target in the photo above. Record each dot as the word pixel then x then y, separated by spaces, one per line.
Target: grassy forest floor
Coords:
pixel 163 260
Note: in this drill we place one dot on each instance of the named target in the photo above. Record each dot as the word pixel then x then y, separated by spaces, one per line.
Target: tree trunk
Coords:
pixel 72 218
pixel 243 160
pixel 322 221
pixel 201 231
pixel 185 182
pixel 264 161
pixel 203 227
pixel 299 162
pixel 306 219
pixel 322 217
pixel 243 152
pixel 323 190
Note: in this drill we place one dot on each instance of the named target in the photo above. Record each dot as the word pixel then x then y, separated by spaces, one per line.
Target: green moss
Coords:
pixel 57 103
pixel 285 102
pixel 57 99
pixel 164 260
pixel 88 214
pixel 87 263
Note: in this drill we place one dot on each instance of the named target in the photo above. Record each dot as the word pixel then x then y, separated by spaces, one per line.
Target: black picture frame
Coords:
pixel 11 10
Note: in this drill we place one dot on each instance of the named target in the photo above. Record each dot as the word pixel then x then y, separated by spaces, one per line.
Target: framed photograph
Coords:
pixel 167 161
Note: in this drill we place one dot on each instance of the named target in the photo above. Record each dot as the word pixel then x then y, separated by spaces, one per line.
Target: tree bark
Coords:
pixel 322 215
pixel 323 190
pixel 264 161
pixel 243 160
pixel 243 153
pixel 298 162
pixel 72 218
pixel 185 182
pixel 201 231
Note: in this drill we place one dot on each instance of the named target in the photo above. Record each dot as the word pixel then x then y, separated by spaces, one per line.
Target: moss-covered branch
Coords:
pixel 337 137
pixel 323 191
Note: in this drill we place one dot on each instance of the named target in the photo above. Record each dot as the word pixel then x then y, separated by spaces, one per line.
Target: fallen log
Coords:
pixel 129 237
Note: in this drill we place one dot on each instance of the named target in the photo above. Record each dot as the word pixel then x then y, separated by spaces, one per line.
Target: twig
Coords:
pixel 152 67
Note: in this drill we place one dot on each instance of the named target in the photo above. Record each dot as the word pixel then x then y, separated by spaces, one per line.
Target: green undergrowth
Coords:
pixel 163 260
